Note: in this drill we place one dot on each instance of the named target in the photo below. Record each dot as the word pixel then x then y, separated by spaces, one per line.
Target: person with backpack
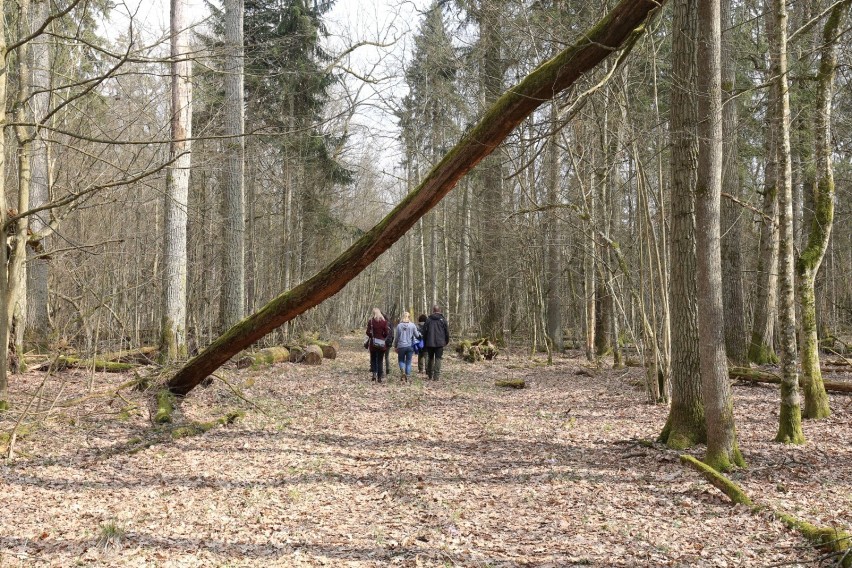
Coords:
pixel 436 336
pixel 406 336
pixel 377 334
pixel 389 343
pixel 420 345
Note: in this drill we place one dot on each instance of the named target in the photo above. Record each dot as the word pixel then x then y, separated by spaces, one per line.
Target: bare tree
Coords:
pixel 722 449
pixel 736 332
pixel 38 320
pixel 685 425
pixel 233 285
pixel 819 232
pixel 173 332
pixel 790 418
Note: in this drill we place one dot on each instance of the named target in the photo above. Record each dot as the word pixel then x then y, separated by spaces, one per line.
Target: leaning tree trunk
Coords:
pixel 685 425
pixel 617 30
pixel 790 418
pixel 173 331
pixel 722 450
pixel 816 399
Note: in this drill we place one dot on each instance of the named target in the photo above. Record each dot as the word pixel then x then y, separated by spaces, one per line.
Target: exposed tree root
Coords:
pixel 836 542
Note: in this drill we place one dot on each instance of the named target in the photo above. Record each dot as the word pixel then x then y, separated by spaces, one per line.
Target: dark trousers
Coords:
pixel 433 361
pixel 377 362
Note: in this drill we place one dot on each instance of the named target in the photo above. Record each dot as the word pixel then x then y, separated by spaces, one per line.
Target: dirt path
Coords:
pixel 338 471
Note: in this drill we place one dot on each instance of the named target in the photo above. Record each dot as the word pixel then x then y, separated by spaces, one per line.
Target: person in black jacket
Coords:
pixel 436 336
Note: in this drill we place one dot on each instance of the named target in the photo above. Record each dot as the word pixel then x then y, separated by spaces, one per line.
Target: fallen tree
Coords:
pixel 758 376
pixel 617 32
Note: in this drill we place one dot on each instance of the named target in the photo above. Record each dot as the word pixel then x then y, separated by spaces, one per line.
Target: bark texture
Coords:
pixel 821 222
pixel 685 425
pixel 173 332
pixel 761 348
pixel 736 333
pixel 233 293
pixel 790 418
pixel 38 321
pixel 621 27
pixel 722 450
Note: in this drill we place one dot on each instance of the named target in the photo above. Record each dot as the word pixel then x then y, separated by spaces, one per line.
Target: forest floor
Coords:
pixel 329 469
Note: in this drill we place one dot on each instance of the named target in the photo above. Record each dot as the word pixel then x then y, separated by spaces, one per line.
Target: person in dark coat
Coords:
pixel 436 336
pixel 377 334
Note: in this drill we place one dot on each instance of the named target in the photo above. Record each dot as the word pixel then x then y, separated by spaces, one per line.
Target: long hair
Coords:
pixel 377 314
pixel 406 317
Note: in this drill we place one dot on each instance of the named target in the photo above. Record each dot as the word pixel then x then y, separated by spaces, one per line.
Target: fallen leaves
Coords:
pixel 338 471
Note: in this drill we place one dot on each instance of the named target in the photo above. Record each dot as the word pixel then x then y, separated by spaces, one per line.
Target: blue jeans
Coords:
pixel 404 355
pixel 377 363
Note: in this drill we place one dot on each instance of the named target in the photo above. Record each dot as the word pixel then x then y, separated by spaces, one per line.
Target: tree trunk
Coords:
pixel 553 272
pixel 4 228
pixel 618 29
pixel 736 333
pixel 16 293
pixel 722 450
pixel 233 293
pixel 38 320
pixel 685 425
pixel 761 348
pixel 492 295
pixel 173 330
pixel 819 231
pixel 790 418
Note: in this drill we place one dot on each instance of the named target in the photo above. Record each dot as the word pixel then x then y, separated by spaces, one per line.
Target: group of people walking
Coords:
pixel 428 337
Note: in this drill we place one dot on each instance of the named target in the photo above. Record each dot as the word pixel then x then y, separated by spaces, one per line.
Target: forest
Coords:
pixel 635 217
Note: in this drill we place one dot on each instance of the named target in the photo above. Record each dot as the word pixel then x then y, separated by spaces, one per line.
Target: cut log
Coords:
pixel 267 356
pixel 511 383
pixel 758 376
pixel 329 348
pixel 613 35
pixel 296 353
pixel 313 355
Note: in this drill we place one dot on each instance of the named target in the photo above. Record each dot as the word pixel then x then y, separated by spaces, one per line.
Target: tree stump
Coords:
pixel 296 353
pixel 329 348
